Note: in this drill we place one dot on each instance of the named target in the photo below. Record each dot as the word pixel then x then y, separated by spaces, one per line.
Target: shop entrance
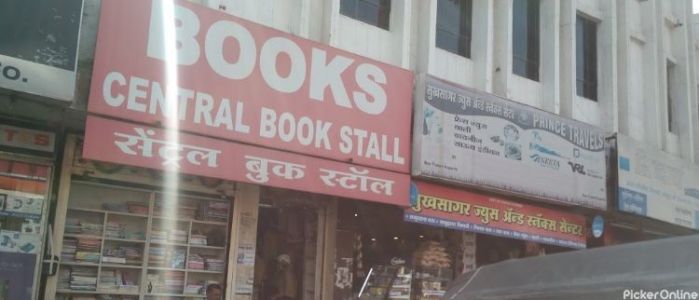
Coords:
pixel 288 256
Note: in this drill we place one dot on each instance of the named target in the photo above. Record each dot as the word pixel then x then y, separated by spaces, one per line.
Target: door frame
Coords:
pixel 326 211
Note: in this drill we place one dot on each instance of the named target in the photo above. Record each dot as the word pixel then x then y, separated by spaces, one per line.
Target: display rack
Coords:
pixel 121 242
pixel 388 282
pixel 430 283
pixel 433 271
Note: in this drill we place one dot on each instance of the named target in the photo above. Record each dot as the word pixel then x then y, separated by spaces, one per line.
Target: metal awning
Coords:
pixel 600 273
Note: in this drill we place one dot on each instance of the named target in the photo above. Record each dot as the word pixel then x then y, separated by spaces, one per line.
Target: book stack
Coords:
pixel 70 245
pixel 88 257
pixel 129 283
pixel 158 236
pixel 135 235
pixel 109 279
pixel 198 239
pixel 114 230
pixel 91 228
pixel 133 254
pixel 156 256
pixel 216 211
pixel 177 258
pixel 174 281
pixel 73 226
pixel 137 208
pixel 113 260
pixel 122 255
pixel 171 258
pixel 113 280
pixel 64 279
pixel 177 236
pixel 83 279
pixel 194 289
pixel 183 211
pixel 195 262
pixel 87 250
pixel 214 264
pixel 118 207
pixel 169 282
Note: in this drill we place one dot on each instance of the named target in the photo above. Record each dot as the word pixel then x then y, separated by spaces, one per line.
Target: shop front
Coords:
pixel 386 252
pixel 38 75
pixel 496 180
pixel 26 172
pixel 214 158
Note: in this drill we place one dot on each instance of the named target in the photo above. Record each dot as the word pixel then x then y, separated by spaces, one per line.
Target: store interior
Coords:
pixel 380 256
pixel 285 263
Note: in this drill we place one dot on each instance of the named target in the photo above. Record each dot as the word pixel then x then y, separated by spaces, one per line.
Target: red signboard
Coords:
pixel 456 209
pixel 174 62
pixel 27 138
pixel 142 146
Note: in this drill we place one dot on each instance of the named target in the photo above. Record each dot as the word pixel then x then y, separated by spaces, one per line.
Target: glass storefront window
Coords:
pixel 379 256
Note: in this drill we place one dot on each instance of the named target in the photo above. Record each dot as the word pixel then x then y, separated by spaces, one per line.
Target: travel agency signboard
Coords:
pixel 218 84
pixel 474 138
pixel 657 185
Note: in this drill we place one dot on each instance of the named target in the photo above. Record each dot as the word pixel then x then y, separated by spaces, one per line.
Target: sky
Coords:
pixel 695 6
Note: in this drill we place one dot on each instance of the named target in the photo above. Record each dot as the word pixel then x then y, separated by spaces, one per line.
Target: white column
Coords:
pixel 243 239
pixel 549 58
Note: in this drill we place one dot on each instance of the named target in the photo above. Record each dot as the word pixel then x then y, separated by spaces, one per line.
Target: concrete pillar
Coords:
pixel 549 57
pixel 241 254
pixel 329 246
pixel 567 58
pixel 482 45
pixel 502 48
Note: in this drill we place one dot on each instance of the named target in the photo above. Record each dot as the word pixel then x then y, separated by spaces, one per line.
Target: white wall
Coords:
pixel 635 40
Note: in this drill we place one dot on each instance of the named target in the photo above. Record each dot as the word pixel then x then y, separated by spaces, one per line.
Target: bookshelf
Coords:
pixel 122 242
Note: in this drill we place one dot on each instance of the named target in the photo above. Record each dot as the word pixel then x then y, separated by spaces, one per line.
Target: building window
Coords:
pixel 374 12
pixel 525 38
pixel 454 26
pixel 586 57
pixel 671 120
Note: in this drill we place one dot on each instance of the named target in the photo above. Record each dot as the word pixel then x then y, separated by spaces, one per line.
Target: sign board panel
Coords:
pixel 478 139
pixel 185 66
pixel 18 137
pixel 657 185
pixel 460 210
pixel 142 146
pixel 39 46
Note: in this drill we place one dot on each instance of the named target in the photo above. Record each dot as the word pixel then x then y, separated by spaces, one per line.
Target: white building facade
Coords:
pixel 625 67
pixel 644 53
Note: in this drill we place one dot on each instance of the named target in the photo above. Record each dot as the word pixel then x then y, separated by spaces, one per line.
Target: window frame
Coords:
pixel 351 9
pixel 463 35
pixel 531 39
pixel 672 125
pixel 587 83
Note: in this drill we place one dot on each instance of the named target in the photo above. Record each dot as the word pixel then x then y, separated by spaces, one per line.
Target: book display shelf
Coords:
pixel 131 243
